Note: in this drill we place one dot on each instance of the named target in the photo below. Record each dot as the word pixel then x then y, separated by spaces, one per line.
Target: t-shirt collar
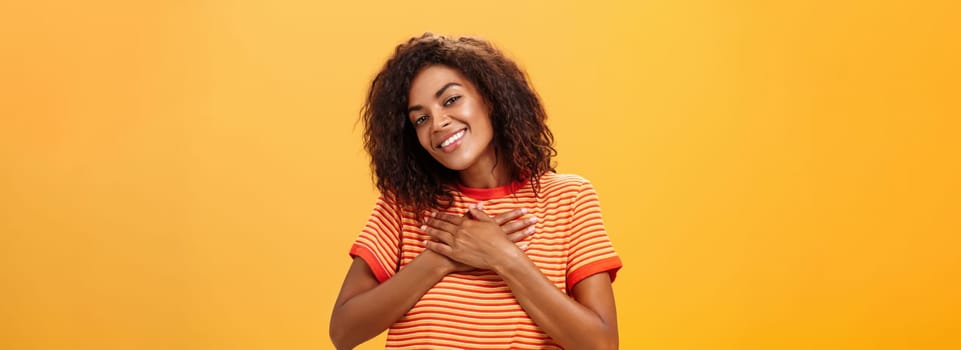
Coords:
pixel 484 194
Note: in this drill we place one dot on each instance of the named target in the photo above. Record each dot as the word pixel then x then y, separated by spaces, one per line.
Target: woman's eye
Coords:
pixel 420 120
pixel 451 100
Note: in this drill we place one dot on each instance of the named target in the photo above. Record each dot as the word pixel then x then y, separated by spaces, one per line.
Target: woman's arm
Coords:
pixel 365 308
pixel 588 321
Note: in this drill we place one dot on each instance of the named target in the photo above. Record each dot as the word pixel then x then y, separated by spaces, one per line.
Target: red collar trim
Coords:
pixel 483 194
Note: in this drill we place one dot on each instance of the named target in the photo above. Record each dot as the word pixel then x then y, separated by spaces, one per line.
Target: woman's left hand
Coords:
pixel 478 242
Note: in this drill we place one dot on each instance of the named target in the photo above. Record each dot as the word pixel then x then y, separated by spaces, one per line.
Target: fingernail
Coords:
pixel 423 228
pixel 425 242
pixel 433 214
pixel 523 210
pixel 480 205
pixel 532 220
pixel 523 247
pixel 472 206
pixel 529 231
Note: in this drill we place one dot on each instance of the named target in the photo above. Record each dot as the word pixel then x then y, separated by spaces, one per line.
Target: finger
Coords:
pixel 481 215
pixel 520 235
pixel 439 235
pixel 519 225
pixel 504 218
pixel 467 214
pixel 439 248
pixel 453 219
pixel 441 225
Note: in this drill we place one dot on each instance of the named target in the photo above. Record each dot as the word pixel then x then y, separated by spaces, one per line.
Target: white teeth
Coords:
pixel 453 138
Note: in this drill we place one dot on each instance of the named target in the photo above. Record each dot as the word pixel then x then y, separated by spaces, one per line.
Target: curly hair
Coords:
pixel 403 169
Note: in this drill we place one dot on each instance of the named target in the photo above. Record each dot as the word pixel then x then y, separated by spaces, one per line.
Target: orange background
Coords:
pixel 189 174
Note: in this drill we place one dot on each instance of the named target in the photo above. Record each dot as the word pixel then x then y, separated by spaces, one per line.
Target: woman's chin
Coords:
pixel 455 166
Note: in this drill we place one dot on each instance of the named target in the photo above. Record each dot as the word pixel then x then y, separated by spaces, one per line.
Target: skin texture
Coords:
pixel 458 107
pixel 442 102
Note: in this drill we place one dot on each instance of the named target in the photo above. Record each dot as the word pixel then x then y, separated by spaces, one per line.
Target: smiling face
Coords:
pixel 451 119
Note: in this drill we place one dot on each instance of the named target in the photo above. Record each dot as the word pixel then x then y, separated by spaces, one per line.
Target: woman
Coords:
pixel 475 241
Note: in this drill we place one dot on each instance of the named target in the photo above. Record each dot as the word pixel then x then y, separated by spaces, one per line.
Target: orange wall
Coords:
pixel 189 175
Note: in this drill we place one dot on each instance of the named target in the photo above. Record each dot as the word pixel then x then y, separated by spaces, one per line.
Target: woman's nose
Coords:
pixel 442 121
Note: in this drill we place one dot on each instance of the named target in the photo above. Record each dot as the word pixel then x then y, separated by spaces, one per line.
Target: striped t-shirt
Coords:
pixel 476 309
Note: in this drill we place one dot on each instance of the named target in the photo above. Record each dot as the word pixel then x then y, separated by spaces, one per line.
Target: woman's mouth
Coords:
pixel 453 141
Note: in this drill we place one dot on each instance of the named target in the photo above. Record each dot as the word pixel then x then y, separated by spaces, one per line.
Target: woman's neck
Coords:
pixel 479 177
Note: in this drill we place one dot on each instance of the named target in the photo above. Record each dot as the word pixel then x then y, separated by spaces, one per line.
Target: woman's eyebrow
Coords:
pixel 436 95
pixel 441 91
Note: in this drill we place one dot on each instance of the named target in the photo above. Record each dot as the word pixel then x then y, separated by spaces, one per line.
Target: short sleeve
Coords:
pixel 379 242
pixel 590 249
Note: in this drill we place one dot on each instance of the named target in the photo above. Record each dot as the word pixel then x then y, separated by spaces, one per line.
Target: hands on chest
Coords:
pixel 477 240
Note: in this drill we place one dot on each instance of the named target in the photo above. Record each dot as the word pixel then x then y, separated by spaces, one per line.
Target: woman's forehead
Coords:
pixel 433 80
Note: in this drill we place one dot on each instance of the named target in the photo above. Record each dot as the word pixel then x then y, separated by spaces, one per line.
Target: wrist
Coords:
pixel 438 263
pixel 509 260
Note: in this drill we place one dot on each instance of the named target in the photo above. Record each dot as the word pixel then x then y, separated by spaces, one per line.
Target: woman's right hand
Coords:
pixel 517 229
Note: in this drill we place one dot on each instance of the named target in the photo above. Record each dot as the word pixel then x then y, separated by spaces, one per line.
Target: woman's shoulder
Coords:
pixel 554 180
